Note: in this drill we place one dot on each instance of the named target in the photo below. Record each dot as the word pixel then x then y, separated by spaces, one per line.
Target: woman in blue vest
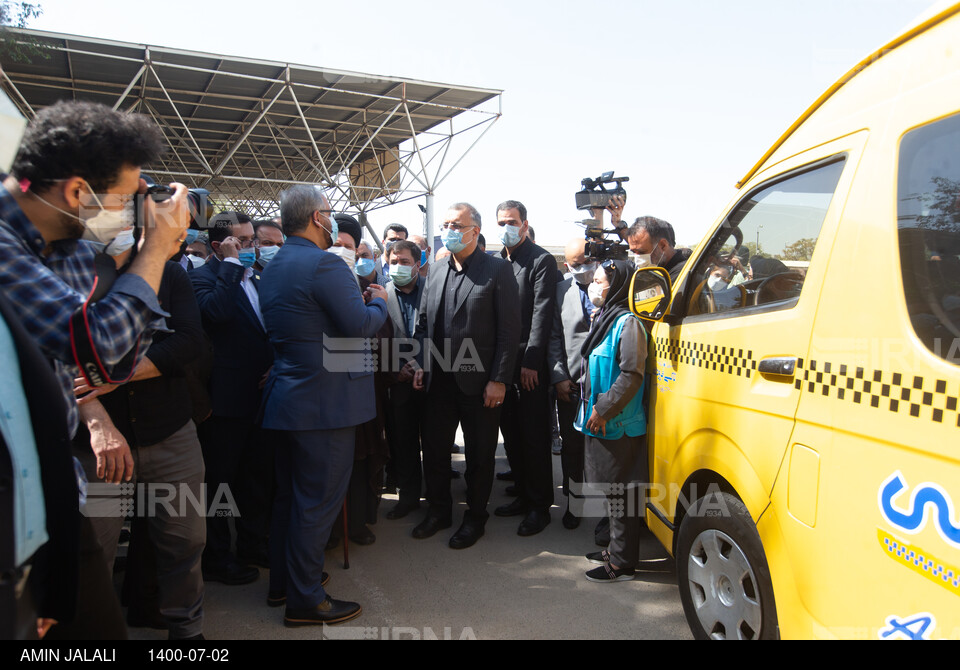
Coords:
pixel 612 417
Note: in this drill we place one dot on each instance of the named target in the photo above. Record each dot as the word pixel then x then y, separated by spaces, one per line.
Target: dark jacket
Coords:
pixel 322 378
pixel 55 565
pixel 536 274
pixel 151 410
pixel 485 322
pixel 241 349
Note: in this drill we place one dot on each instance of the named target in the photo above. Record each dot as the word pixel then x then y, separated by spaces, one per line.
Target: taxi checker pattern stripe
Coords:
pixel 923 398
pixel 726 360
pixel 917 396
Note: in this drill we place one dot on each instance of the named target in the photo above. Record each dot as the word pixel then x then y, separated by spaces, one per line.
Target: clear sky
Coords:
pixel 682 96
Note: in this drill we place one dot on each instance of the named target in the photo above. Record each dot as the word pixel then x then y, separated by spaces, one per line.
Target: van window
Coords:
pixel 759 257
pixel 928 217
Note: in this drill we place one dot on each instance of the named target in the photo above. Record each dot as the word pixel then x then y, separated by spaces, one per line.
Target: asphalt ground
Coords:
pixel 504 587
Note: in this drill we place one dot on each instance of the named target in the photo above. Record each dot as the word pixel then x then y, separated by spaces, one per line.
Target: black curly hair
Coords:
pixel 85 139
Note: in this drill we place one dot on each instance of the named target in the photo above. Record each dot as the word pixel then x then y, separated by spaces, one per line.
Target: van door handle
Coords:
pixel 779 366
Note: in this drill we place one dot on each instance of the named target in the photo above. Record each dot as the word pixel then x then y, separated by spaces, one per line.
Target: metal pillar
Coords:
pixel 428 223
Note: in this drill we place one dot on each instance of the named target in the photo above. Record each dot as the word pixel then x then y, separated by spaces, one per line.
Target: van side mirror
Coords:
pixel 650 293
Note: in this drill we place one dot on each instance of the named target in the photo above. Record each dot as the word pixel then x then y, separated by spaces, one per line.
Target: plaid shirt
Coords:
pixel 47 290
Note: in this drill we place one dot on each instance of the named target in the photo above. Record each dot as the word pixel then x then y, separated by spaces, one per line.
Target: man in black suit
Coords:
pixel 467 323
pixel 235 452
pixel 525 422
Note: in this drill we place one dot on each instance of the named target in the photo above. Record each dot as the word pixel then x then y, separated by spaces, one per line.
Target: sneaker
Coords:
pixel 599 557
pixel 605 574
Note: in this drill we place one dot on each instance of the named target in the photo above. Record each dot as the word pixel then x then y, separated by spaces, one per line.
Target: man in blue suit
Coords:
pixel 320 389
pixel 233 450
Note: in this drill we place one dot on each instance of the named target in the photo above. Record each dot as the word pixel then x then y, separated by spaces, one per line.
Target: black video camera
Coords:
pixel 594 195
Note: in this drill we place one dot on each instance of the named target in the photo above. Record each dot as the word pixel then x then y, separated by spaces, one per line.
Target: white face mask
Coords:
pixel 121 243
pixel 583 274
pixel 596 294
pixel 196 261
pixel 716 283
pixel 105 226
pixel 349 257
pixel 645 260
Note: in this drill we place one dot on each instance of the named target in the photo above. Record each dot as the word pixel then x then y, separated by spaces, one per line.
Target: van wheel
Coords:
pixel 722 572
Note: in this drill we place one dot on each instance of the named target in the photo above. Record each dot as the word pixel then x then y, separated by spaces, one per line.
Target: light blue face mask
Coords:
pixel 191 236
pixel 334 229
pixel 248 257
pixel 364 267
pixel 267 254
pixel 453 240
pixel 423 257
pixel 510 236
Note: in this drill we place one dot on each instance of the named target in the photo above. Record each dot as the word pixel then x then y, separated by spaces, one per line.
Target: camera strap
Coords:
pixel 81 340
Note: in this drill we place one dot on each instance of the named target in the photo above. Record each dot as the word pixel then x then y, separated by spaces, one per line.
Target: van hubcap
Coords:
pixel 723 588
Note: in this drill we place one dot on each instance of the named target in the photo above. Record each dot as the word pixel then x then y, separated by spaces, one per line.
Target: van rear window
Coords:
pixel 928 218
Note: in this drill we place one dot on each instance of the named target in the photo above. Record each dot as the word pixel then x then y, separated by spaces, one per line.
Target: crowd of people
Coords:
pixel 244 390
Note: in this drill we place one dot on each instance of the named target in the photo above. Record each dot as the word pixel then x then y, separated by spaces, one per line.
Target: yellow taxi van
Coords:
pixel 805 399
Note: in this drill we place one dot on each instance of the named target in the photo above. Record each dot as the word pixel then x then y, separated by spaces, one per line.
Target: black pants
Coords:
pixel 404 410
pixel 237 453
pixel 571 458
pixel 525 424
pixel 445 407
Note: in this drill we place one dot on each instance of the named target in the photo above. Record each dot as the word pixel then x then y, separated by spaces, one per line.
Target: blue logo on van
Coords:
pixel 927 499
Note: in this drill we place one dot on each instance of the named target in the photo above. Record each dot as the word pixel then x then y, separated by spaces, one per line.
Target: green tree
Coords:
pixel 18 49
pixel 801 250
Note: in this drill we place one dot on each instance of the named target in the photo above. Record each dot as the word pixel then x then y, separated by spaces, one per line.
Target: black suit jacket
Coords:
pixel 55 565
pixel 241 348
pixel 486 329
pixel 536 273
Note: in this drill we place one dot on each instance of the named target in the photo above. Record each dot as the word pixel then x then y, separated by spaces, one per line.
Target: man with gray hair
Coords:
pixel 654 241
pixel 319 390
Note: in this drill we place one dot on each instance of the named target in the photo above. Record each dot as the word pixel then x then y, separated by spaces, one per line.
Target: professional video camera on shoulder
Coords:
pixel 596 194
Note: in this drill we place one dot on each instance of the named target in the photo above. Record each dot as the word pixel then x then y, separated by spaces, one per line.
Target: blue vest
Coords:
pixel 604 370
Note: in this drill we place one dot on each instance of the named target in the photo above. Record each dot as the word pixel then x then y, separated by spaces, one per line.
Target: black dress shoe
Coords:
pixel 278 598
pixel 516 508
pixel 429 527
pixel 363 537
pixel 137 618
pixel 535 521
pixel 232 574
pixel 401 510
pixel 512 490
pixel 330 611
pixel 505 476
pixel 570 520
pixel 257 558
pixel 468 534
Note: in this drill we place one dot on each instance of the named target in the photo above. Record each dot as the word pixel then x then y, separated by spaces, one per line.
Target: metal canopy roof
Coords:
pixel 246 129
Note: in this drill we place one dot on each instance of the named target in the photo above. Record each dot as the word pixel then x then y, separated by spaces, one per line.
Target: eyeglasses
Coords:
pixel 250 244
pixel 455 227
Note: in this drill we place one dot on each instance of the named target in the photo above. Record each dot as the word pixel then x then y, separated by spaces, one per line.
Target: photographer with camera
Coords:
pixel 76 176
